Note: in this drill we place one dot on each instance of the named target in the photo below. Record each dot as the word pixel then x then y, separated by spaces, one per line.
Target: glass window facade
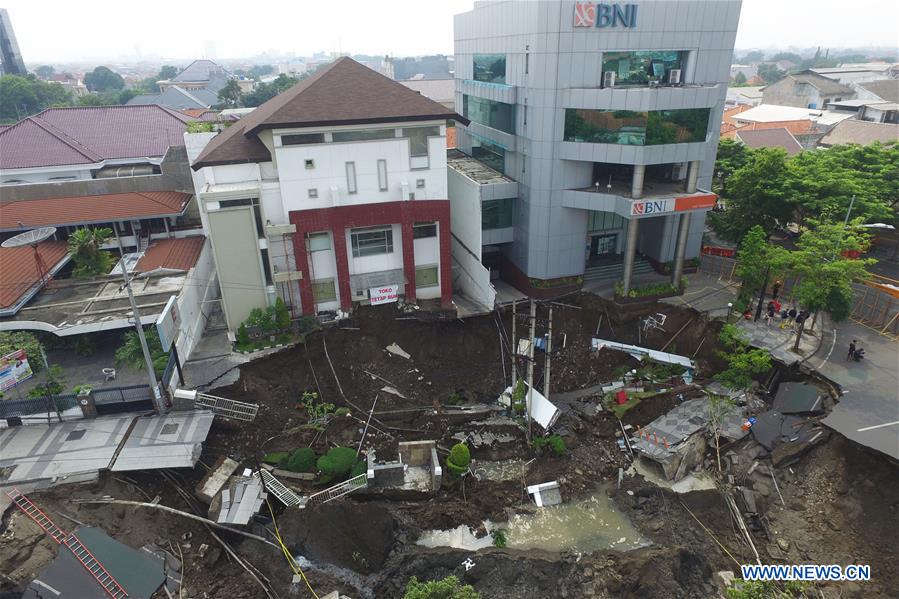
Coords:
pixel 490 154
pixel 497 115
pixel 634 128
pixel 319 241
pixel 303 139
pixel 323 290
pixel 497 214
pixel 490 68
pixel 424 230
pixel 643 67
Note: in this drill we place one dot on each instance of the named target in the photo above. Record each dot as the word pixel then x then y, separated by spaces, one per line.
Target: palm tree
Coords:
pixel 84 247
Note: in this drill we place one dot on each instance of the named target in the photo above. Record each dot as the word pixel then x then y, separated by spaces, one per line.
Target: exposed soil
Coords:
pixel 842 504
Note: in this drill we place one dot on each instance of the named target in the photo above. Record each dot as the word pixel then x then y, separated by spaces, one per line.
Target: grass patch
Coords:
pixel 275 457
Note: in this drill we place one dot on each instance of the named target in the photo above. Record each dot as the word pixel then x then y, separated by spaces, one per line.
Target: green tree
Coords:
pixel 260 70
pixel 11 341
pixel 131 354
pixel 459 458
pixel 103 79
pixel 21 97
pixel 282 315
pixel 757 260
pixel 743 364
pixel 770 73
pixel 822 183
pixel 719 407
pixel 266 91
pixel 302 460
pixel 448 588
pixel 823 261
pixel 230 96
pixel 337 462
pixel 44 71
pixel 791 56
pixel 84 247
pixel 732 156
pixel 750 57
pixel 739 79
pixel 54 384
pixel 755 196
pixel 168 72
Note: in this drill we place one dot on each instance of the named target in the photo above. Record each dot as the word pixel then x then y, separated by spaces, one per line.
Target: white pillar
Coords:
pixel 637 181
pixel 692 176
pixel 630 252
pixel 680 249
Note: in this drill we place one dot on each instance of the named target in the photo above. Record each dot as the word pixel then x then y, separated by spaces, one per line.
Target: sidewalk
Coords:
pixel 779 342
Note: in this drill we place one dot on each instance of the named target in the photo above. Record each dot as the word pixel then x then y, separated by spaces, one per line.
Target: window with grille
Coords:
pixel 426 276
pixel 323 290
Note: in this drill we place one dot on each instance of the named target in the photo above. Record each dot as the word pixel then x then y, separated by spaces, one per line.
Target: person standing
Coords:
pixel 775 290
pixel 851 350
pixel 769 315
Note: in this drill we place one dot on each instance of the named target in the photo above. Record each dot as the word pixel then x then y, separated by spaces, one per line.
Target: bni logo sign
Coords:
pixel 601 14
pixel 642 208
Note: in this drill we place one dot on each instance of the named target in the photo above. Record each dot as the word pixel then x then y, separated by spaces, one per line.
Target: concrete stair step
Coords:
pixel 611 271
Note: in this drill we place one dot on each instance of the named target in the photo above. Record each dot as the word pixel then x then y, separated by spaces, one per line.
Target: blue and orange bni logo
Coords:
pixel 602 14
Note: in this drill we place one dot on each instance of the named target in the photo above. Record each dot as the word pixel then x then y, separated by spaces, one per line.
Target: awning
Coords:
pixel 91 209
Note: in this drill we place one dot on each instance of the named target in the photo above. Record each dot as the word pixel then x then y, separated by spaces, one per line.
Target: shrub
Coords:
pixel 282 315
pixel 337 462
pixel 243 337
pixel 11 341
pixel 131 354
pixel 200 127
pixel 84 345
pixel 361 467
pixel 301 460
pixel 276 457
pixel 342 412
pixel 650 289
pixel 554 442
pixel 499 537
pixel 448 588
pixel 459 458
pixel 518 397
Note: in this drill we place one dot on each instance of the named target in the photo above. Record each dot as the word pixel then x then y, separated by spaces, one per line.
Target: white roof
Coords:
pixel 766 113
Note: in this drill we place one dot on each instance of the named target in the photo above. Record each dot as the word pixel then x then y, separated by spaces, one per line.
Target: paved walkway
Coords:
pixel 779 342
pixel 706 293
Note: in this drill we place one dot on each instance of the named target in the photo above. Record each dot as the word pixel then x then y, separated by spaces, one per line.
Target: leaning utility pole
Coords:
pixel 514 352
pixel 549 349
pixel 531 364
pixel 151 373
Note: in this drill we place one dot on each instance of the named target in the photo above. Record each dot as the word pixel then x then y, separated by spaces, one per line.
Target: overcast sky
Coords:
pixel 97 29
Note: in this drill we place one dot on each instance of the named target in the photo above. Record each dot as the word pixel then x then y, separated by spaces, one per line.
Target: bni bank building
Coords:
pixel 594 128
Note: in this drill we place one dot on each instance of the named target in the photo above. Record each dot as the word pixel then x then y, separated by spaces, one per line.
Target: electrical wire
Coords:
pixel 290 559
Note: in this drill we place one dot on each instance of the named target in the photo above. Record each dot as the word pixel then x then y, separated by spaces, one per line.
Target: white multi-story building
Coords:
pixel 330 194
pixel 602 120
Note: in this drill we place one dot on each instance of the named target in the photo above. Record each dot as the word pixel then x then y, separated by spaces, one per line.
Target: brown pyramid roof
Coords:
pixel 341 93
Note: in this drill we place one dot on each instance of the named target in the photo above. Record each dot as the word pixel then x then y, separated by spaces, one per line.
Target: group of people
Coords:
pixel 788 316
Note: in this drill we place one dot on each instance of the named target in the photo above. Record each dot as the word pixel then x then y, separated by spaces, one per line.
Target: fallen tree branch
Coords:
pixel 172 510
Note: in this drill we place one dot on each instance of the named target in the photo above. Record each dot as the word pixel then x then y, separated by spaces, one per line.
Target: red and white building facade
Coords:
pixel 329 205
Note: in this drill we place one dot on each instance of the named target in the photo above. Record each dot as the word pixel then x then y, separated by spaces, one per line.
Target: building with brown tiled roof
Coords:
pixel 806 90
pixel 307 197
pixel 860 132
pixel 777 137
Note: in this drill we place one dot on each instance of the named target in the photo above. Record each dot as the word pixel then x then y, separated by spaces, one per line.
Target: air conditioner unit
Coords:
pixel 674 76
pixel 608 79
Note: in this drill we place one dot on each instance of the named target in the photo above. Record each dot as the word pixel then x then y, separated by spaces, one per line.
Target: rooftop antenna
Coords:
pixel 33 239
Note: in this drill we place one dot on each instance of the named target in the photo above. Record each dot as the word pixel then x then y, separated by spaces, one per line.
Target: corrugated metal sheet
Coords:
pixel 18 269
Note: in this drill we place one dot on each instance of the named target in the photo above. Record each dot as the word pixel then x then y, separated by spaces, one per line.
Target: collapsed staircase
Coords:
pixel 291 499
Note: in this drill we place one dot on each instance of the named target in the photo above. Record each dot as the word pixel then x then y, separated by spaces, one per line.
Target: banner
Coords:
pixel 384 295
pixel 14 368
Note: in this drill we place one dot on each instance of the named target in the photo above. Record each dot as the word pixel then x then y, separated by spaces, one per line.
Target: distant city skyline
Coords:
pixel 111 31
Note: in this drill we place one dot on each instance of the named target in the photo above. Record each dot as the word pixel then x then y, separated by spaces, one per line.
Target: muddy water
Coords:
pixel 584 526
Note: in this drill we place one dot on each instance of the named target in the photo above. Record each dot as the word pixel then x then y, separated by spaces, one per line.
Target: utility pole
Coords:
pixel 849 210
pixel 549 349
pixel 514 348
pixel 531 364
pixel 151 373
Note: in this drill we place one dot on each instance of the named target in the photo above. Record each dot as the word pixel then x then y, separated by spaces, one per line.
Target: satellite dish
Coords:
pixel 32 238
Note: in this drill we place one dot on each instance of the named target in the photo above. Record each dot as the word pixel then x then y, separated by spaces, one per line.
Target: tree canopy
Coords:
pixel 21 97
pixel 765 187
pixel 770 73
pixel 103 79
pixel 44 71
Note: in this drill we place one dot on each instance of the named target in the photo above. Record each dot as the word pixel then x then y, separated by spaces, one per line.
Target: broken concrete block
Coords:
pixel 396 350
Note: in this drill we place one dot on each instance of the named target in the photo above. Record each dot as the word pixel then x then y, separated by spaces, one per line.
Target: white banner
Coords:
pixel 384 295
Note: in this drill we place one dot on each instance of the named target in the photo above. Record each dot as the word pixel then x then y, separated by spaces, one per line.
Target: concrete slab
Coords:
pixel 171 441
pixel 779 341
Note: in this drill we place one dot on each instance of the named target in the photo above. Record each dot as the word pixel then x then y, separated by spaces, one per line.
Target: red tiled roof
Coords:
pixel 341 93
pixel 174 253
pixel 19 272
pixel 82 210
pixel 89 134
